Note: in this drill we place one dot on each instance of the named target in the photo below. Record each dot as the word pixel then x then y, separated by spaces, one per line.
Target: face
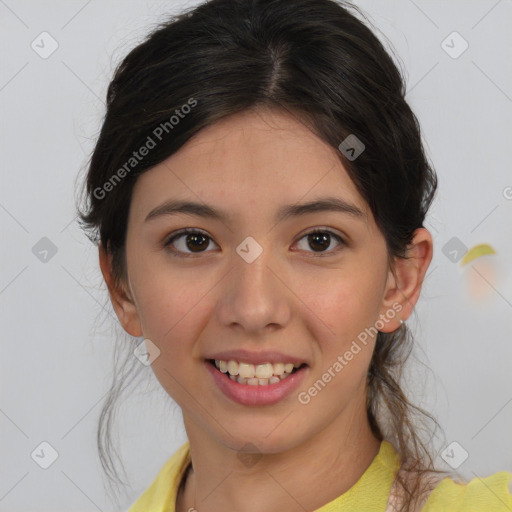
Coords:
pixel 259 278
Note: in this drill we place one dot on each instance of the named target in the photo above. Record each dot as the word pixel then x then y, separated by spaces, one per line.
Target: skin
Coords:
pixel 293 298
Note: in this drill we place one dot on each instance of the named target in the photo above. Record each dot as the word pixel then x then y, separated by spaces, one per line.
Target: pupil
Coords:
pixel 195 239
pixel 323 239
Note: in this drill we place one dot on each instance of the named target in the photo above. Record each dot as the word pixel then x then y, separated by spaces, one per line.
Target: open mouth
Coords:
pixel 265 374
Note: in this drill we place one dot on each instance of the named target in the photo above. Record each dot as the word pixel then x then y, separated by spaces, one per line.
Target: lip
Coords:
pixel 263 357
pixel 246 394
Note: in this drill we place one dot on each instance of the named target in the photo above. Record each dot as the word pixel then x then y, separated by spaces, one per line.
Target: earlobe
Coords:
pixel 120 296
pixel 404 284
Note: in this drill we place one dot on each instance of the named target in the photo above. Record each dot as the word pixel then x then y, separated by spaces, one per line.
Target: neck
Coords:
pixel 329 463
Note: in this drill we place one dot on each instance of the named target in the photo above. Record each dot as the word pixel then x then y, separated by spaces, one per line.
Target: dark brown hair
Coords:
pixel 317 60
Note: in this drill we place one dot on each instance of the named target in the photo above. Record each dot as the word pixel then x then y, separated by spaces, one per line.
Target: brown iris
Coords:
pixel 321 240
pixel 197 242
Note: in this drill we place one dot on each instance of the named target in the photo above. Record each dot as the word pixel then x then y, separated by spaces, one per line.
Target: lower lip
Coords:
pixel 256 395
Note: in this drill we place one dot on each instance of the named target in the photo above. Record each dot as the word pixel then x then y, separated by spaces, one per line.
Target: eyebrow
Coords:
pixel 324 204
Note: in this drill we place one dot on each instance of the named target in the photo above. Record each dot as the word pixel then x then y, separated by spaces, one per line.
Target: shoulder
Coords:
pixel 160 496
pixel 489 494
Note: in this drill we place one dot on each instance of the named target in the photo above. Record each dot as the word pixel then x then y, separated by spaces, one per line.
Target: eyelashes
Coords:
pixel 315 234
pixel 178 243
pixel 181 234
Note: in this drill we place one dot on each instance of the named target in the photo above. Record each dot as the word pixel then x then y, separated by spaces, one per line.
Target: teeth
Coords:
pixel 264 371
pixel 278 369
pixel 233 368
pixel 254 375
pixel 246 370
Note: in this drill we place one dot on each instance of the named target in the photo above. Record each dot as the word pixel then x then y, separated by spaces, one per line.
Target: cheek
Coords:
pixel 170 305
pixel 350 307
pixel 347 301
pixel 173 313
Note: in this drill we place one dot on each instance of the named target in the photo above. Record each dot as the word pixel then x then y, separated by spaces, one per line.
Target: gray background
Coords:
pixel 57 325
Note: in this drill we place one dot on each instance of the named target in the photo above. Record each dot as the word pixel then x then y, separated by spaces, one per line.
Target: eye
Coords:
pixel 193 241
pixel 188 241
pixel 320 240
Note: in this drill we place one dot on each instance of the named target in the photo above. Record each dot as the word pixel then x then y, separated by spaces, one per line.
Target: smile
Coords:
pixel 256 374
pixel 258 383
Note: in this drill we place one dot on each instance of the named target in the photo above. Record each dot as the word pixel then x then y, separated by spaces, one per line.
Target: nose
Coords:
pixel 255 297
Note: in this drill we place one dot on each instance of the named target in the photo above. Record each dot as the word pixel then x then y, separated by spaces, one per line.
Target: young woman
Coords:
pixel 258 190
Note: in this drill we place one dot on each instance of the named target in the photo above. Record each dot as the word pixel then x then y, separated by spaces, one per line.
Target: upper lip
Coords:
pixel 261 357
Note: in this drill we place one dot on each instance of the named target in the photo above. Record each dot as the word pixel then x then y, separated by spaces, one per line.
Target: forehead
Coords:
pixel 251 160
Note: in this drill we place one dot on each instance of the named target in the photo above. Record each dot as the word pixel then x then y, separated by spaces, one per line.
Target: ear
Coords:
pixel 406 278
pixel 120 296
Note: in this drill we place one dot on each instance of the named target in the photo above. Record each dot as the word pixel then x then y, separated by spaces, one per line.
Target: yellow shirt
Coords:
pixel 369 494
